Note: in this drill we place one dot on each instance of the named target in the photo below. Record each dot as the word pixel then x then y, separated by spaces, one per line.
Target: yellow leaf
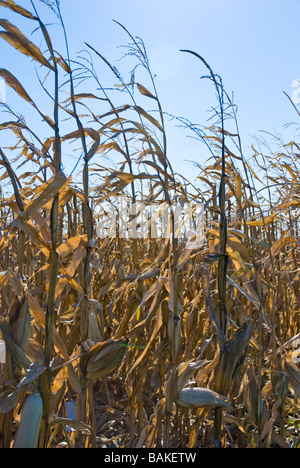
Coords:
pixel 69 246
pixel 262 222
pixel 138 313
pixel 48 192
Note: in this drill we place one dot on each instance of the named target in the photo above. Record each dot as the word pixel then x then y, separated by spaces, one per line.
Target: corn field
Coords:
pixel 140 342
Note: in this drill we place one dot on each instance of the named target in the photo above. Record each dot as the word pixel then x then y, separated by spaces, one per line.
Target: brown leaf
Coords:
pixel 144 91
pixel 20 42
pixel 9 277
pixel 16 8
pixel 15 84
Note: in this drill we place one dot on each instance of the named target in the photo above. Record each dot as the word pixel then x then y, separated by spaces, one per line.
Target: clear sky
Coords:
pixel 254 45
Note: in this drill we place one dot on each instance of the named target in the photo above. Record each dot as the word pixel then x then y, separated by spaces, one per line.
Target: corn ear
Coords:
pixel 186 371
pixel 103 358
pixel 201 398
pixel 20 323
pixel 19 358
pixel 253 400
pixel 28 430
pixel 233 357
pixel 95 319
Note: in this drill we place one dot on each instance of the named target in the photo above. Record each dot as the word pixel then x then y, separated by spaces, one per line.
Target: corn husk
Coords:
pixel 28 430
pixel 233 357
pixel 201 398
pixel 103 358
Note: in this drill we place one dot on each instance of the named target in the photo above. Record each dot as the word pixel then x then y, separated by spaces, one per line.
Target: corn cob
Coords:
pixel 28 431
pixel 102 358
pixel 200 398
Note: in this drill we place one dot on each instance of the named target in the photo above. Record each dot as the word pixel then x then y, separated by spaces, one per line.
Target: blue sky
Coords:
pixel 253 45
